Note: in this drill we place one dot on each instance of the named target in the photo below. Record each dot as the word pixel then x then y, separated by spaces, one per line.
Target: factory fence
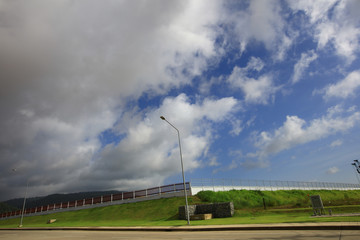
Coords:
pixel 212 184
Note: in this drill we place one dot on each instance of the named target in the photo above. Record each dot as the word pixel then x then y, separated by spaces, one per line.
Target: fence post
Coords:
pixel 84 202
pixel 122 196
pixel 101 199
pixel 111 198
pixel 133 194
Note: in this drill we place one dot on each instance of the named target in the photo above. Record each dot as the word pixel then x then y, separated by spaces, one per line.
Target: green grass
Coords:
pixel 282 198
pixel 147 213
pixel 164 212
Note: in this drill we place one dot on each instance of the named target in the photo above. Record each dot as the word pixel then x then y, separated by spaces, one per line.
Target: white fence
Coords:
pixel 211 184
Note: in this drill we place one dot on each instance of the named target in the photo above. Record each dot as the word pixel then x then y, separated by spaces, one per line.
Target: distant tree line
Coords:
pixel 6 208
pixel 15 204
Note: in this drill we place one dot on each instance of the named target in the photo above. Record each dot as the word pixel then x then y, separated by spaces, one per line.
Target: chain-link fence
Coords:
pixel 213 184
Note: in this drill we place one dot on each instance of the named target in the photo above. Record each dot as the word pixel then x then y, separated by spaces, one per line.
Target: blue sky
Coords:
pixel 258 89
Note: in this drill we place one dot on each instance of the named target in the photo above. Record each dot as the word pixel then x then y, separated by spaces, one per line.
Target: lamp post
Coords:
pixel 182 168
pixel 23 208
pixel 357 168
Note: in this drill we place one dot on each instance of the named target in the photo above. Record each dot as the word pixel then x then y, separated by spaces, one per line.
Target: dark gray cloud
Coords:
pixel 67 70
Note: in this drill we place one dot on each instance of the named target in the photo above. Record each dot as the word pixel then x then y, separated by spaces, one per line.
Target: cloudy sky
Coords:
pixel 259 89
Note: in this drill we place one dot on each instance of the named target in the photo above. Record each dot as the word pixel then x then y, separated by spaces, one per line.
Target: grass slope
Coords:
pixel 163 212
pixel 281 198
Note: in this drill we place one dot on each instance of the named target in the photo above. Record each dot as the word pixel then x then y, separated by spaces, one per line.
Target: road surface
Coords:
pixel 249 235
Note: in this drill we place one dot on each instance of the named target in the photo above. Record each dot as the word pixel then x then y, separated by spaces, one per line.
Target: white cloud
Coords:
pixel 335 110
pixel 261 21
pixel 236 127
pixel 81 64
pixel 344 88
pixel 258 90
pixel 296 131
pixel 334 22
pixel 336 143
pixel 303 64
pixel 149 151
pixel 213 162
pixel 332 170
pixel 316 10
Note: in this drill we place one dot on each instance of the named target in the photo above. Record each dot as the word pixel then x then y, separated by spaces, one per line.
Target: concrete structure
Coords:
pixel 218 210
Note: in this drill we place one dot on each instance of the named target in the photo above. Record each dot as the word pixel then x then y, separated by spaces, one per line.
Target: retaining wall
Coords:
pixel 218 210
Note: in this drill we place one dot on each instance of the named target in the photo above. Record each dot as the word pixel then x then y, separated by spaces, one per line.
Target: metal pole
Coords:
pixel 23 208
pixel 182 169
pixel 357 167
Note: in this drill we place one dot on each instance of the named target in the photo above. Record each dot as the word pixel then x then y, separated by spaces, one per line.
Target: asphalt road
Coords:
pixel 249 235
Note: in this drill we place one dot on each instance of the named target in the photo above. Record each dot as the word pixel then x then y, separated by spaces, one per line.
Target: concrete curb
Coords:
pixel 242 227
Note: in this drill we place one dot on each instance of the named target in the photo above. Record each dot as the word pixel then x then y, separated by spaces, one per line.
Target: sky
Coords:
pixel 261 89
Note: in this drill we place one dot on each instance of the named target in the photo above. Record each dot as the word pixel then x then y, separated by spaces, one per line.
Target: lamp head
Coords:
pixel 162 117
pixel 356 161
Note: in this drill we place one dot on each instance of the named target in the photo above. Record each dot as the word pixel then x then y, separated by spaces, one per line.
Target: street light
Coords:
pixel 23 208
pixel 22 212
pixel 357 168
pixel 182 168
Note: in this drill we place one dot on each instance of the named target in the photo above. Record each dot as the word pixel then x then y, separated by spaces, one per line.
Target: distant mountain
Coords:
pixel 54 198
pixel 6 208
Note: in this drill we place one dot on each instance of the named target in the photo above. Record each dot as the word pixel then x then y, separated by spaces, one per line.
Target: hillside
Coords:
pixel 164 212
pixel 281 199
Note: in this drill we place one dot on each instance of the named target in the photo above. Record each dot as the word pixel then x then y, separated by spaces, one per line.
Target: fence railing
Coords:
pixel 201 184
pixel 118 197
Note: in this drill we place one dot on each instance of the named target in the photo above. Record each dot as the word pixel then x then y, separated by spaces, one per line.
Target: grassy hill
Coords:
pixel 281 198
pixel 163 212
